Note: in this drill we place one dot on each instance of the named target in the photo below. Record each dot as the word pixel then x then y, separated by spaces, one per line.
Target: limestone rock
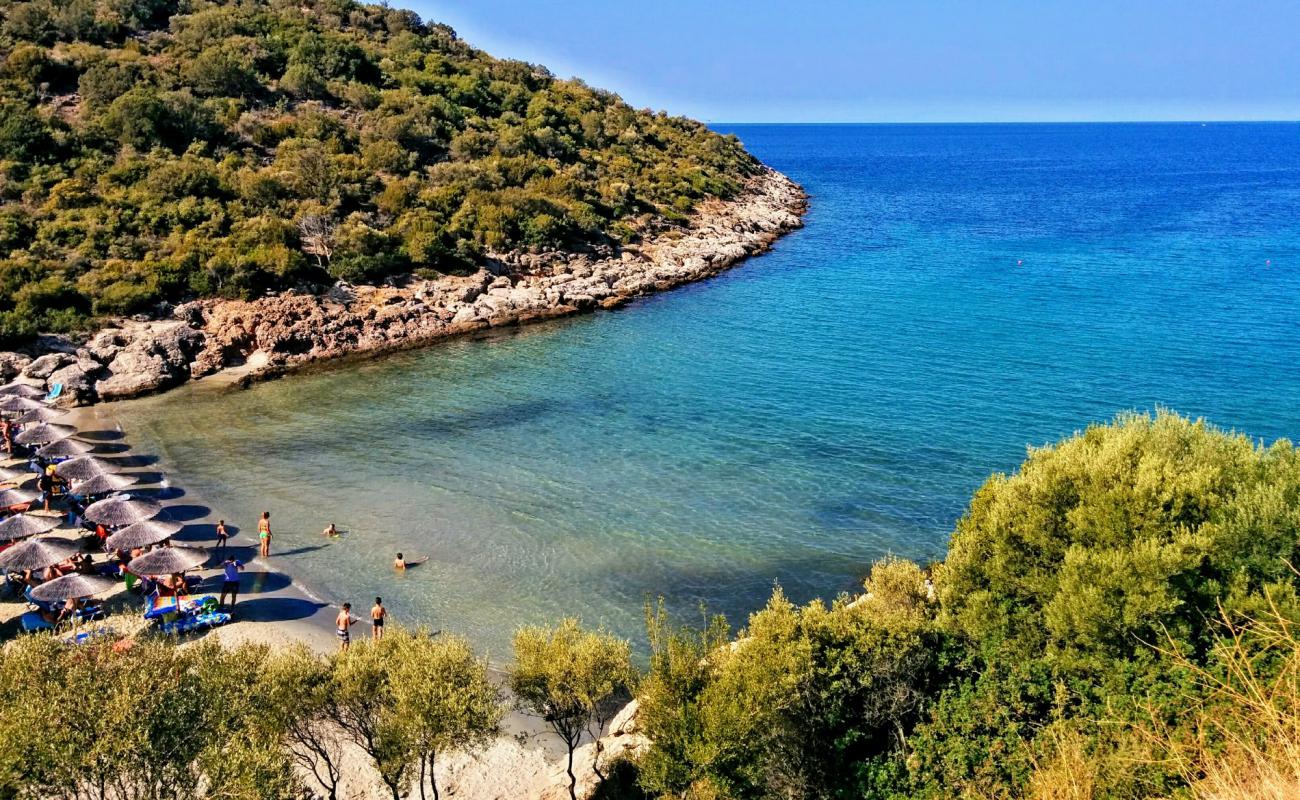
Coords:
pixel 11 365
pixel 42 367
pixel 78 381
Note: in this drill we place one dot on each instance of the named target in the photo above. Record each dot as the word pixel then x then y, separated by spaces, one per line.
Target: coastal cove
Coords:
pixel 958 292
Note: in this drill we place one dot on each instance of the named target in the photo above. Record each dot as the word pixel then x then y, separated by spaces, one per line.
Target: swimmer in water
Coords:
pixel 401 563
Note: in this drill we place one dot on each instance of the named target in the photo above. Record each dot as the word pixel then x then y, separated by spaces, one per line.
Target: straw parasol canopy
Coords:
pixel 65 448
pixel 22 390
pixel 15 474
pixel 14 497
pixel 36 554
pixel 21 526
pixel 168 561
pixel 83 467
pixel 143 534
pixel 103 483
pixel 16 404
pixel 122 510
pixel 42 414
pixel 44 432
pixel 73 587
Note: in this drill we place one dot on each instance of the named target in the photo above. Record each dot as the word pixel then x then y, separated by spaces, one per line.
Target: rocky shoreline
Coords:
pixel 269 336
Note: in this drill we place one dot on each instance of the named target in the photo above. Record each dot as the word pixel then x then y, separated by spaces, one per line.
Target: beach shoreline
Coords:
pixel 278 611
pixel 244 342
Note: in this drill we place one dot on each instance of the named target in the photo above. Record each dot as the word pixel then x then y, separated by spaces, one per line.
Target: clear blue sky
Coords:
pixel 909 60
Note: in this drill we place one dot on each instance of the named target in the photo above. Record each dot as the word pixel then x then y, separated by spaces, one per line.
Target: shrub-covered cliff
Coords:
pixel 159 150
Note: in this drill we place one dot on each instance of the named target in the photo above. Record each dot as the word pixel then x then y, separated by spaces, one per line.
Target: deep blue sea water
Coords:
pixel 959 292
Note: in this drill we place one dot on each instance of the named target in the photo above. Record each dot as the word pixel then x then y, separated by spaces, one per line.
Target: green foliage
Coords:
pixel 102 722
pixel 1078 610
pixel 408 697
pixel 570 677
pixel 421 152
pixel 809 702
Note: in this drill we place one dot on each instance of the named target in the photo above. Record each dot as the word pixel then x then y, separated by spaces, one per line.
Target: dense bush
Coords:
pixel 1117 619
pixel 1081 606
pixel 197 135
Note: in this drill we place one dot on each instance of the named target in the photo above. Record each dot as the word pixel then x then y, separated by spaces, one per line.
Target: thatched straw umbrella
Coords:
pixel 73 587
pixel 42 414
pixel 122 510
pixel 22 390
pixel 14 404
pixel 65 448
pixel 102 484
pixel 168 561
pixel 16 497
pixel 143 534
pixel 21 526
pixel 44 432
pixel 83 467
pixel 36 554
pixel 16 475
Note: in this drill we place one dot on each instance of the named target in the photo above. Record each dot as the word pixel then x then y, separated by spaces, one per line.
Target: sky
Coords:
pixel 909 60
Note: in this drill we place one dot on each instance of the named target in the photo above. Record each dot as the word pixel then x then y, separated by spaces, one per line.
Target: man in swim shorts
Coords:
pixel 341 625
pixel 377 616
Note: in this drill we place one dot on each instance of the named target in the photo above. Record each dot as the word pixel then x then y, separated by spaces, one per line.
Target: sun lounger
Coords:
pixel 162 606
pixel 198 622
pixel 33 622
pixel 88 636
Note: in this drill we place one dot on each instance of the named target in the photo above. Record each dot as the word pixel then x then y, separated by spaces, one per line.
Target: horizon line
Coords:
pixel 1017 122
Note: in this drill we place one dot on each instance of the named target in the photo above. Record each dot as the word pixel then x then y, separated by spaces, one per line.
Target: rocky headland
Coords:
pixel 270 335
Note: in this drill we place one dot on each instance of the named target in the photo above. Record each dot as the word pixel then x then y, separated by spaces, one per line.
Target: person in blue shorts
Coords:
pixel 230 581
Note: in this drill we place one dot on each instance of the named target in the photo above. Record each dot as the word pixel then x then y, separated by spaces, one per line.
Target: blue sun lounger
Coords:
pixel 33 622
pixel 198 622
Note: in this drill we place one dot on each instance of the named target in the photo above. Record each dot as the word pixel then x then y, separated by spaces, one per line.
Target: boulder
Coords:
pixel 135 371
pixel 78 381
pixel 105 346
pixel 11 365
pixel 42 367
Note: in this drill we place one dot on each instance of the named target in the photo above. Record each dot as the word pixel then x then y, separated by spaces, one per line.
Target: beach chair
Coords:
pixel 197 622
pixel 37 605
pixel 89 636
pixel 33 622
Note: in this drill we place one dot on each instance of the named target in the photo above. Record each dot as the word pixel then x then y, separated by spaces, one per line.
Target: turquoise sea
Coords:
pixel 959 292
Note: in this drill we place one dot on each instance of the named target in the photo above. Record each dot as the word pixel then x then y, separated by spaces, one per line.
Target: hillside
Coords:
pixel 153 150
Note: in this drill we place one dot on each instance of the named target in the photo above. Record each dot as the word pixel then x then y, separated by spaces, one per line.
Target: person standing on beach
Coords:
pixel 7 434
pixel 377 616
pixel 45 484
pixel 341 625
pixel 222 536
pixel 230 582
pixel 264 533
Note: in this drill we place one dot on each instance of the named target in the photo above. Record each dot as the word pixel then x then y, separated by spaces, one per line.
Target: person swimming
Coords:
pixel 331 531
pixel 402 563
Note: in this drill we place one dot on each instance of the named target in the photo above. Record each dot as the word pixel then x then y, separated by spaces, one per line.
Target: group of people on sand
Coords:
pixel 344 621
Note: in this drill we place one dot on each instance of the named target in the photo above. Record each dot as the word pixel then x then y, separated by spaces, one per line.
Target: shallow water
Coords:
pixel 959 292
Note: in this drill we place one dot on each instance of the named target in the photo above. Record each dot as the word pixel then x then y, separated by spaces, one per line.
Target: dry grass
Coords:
pixel 1247 743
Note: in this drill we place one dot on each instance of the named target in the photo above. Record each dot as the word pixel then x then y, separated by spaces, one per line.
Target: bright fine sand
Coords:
pixel 526 761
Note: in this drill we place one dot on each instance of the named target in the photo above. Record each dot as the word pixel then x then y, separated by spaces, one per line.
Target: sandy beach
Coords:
pixel 275 610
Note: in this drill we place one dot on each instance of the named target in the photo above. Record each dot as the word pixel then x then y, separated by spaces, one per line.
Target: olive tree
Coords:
pixel 408 697
pixel 444 698
pixel 569 677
